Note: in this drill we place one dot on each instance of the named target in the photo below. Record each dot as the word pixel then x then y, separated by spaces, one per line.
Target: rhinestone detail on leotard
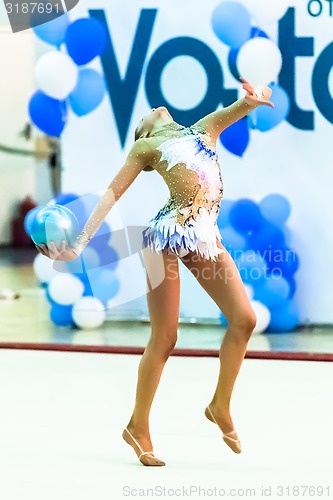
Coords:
pixel 187 222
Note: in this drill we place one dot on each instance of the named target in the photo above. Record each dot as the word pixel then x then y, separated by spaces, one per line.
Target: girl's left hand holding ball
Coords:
pixel 52 252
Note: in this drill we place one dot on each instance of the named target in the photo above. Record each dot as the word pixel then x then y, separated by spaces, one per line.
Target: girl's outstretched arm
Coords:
pixel 139 157
pixel 222 118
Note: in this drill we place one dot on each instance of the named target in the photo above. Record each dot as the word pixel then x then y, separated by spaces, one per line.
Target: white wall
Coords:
pixel 292 162
pixel 17 173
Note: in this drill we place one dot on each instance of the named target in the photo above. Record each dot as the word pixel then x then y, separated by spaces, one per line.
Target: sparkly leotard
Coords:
pixel 191 170
pixel 187 222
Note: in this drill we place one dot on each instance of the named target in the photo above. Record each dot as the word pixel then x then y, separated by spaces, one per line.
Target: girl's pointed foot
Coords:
pixel 146 457
pixel 230 438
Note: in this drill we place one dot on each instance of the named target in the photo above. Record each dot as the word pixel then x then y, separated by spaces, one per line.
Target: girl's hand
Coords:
pixel 52 252
pixel 260 95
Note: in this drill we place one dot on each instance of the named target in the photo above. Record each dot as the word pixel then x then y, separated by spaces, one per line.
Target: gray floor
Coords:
pixel 62 415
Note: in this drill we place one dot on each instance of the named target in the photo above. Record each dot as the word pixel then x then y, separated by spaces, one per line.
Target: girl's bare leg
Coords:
pixel 163 303
pixel 222 282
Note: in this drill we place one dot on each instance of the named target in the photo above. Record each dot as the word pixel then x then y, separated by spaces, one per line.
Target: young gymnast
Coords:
pixel 184 229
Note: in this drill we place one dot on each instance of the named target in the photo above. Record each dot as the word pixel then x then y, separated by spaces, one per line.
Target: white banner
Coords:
pixel 166 53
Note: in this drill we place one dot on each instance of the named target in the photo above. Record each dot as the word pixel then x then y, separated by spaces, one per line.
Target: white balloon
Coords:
pixel 266 11
pixel 259 60
pixel 56 74
pixel 65 289
pixel 44 268
pixel 263 316
pixel 89 260
pixel 88 312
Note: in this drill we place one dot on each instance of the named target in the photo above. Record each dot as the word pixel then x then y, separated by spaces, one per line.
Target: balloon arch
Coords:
pixel 63 79
pixel 257 58
pixel 254 233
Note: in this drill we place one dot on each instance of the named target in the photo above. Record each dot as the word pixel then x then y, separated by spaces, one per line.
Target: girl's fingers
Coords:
pixel 267 103
pixel 45 249
pixel 63 246
pixel 252 93
pixel 249 89
pixel 247 85
pixel 40 249
pixel 53 250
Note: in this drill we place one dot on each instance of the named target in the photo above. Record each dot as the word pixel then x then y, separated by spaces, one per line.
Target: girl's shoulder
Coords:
pixel 165 139
pixel 163 135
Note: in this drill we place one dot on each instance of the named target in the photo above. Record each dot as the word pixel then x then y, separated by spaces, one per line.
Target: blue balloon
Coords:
pixel 232 63
pixel 28 219
pixel 104 284
pixel 265 118
pixel 65 198
pixel 52 32
pixel 272 292
pixel 252 268
pixel 77 267
pixel 48 114
pixel 61 315
pixel 85 39
pixel 233 53
pixel 284 318
pixel 87 287
pixel 88 260
pixel 236 137
pixel 78 209
pixel 47 295
pixel 54 223
pixel 100 245
pixel 223 320
pixel 292 286
pixel 289 263
pixel 255 32
pixel 245 216
pixel 91 259
pixel 223 216
pixel 234 242
pixel 90 201
pixel 88 93
pixel 231 23
pixel 287 233
pixel 275 208
pixel 101 237
pixel 109 258
pixel 269 240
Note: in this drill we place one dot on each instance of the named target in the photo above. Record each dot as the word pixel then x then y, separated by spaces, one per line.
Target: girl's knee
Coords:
pixel 164 339
pixel 244 323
